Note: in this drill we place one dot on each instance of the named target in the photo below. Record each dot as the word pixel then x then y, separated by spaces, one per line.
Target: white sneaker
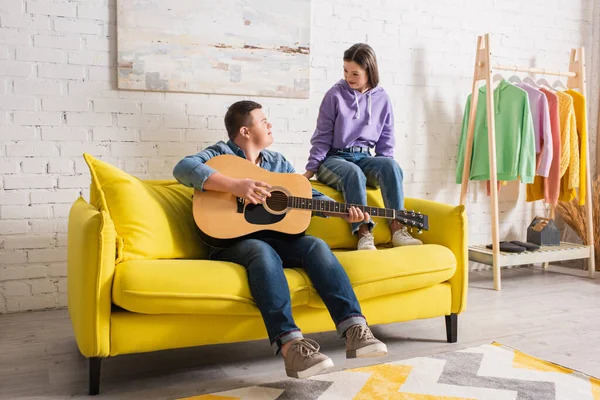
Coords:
pixel 366 242
pixel 402 238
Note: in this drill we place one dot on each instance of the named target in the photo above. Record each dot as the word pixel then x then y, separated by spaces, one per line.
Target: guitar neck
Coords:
pixel 338 208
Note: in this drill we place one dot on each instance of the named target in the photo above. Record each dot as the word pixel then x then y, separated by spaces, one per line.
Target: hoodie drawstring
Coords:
pixel 496 101
pixel 497 97
pixel 357 114
pixel 369 106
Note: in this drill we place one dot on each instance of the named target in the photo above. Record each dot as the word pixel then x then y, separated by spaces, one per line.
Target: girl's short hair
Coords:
pixel 364 56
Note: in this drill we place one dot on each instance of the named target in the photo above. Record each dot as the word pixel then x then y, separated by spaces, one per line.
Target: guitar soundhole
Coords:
pixel 278 201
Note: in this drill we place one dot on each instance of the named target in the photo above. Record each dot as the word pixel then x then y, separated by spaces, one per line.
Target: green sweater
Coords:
pixel 515 141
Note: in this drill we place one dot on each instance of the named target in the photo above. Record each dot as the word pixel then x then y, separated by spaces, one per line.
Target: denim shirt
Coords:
pixel 193 172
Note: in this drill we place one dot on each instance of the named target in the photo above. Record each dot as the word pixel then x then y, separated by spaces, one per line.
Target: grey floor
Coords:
pixel 552 314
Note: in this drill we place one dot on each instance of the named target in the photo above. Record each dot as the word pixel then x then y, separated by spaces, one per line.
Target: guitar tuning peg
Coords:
pixel 420 231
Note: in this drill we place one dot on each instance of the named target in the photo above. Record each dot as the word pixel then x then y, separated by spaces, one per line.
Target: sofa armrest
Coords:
pixel 448 227
pixel 90 270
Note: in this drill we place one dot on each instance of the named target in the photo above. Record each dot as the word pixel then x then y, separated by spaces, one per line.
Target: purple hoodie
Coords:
pixel 349 118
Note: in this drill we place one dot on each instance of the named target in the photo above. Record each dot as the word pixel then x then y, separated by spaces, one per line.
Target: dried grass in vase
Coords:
pixel 574 215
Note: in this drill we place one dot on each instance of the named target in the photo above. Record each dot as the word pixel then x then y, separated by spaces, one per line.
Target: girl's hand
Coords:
pixel 308 174
pixel 356 215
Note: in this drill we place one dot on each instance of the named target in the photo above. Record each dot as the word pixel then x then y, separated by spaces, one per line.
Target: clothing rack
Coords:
pixel 497 259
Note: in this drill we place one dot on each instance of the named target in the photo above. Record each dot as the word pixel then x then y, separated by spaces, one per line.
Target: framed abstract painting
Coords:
pixel 238 47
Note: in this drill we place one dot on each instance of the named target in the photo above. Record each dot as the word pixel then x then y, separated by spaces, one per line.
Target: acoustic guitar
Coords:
pixel 223 218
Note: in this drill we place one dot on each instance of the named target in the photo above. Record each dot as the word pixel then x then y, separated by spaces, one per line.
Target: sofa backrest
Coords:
pixel 336 231
pixel 153 219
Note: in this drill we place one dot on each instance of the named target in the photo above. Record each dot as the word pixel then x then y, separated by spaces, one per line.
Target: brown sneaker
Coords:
pixel 303 359
pixel 360 343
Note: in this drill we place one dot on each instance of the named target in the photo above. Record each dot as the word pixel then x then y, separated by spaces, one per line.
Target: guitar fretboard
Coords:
pixel 334 207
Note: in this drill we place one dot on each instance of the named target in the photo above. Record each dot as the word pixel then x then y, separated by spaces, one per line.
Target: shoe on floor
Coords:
pixel 304 360
pixel 528 246
pixel 508 247
pixel 361 343
pixel 366 242
pixel 402 238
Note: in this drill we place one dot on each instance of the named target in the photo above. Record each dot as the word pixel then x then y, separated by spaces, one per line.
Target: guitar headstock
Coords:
pixel 413 218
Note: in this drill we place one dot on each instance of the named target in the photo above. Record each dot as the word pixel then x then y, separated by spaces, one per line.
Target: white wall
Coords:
pixel 58 98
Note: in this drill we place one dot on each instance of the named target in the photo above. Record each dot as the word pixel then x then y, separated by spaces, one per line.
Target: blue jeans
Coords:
pixel 351 172
pixel 264 260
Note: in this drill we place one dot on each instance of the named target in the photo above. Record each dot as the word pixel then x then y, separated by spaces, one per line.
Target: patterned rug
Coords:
pixel 490 372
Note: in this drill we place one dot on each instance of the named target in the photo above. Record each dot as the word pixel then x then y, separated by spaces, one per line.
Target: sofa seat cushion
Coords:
pixel 392 270
pixel 215 287
pixel 192 287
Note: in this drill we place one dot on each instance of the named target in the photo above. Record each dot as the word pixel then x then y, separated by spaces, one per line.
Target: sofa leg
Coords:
pixel 452 328
pixel 95 364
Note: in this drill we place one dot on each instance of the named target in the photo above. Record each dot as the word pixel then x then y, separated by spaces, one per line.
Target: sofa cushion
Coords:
pixel 336 232
pixel 214 287
pixel 192 287
pixel 153 219
pixel 392 270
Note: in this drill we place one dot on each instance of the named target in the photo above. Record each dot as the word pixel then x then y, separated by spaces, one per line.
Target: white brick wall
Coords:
pixel 37 87
pixel 59 9
pixel 18 133
pixel 57 42
pixel 58 98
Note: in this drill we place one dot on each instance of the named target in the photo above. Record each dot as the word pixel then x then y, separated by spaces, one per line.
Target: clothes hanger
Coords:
pixel 496 79
pixel 543 82
pixel 529 80
pixel 515 79
pixel 559 85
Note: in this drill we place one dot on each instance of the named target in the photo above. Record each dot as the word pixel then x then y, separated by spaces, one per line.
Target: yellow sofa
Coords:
pixel 139 281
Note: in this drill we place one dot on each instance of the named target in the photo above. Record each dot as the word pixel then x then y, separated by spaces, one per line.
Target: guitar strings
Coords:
pixel 280 199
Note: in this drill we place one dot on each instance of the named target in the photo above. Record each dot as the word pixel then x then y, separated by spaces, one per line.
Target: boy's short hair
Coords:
pixel 238 115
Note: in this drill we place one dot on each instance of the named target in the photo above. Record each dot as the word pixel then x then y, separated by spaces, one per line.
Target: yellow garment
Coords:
pixel 535 191
pixel 565 107
pixel 569 165
pixel 579 104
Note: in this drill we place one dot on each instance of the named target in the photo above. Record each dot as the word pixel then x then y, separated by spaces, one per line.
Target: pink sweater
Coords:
pixel 541 126
pixel 552 183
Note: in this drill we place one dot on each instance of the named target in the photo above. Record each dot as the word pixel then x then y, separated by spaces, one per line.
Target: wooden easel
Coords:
pixel 484 69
